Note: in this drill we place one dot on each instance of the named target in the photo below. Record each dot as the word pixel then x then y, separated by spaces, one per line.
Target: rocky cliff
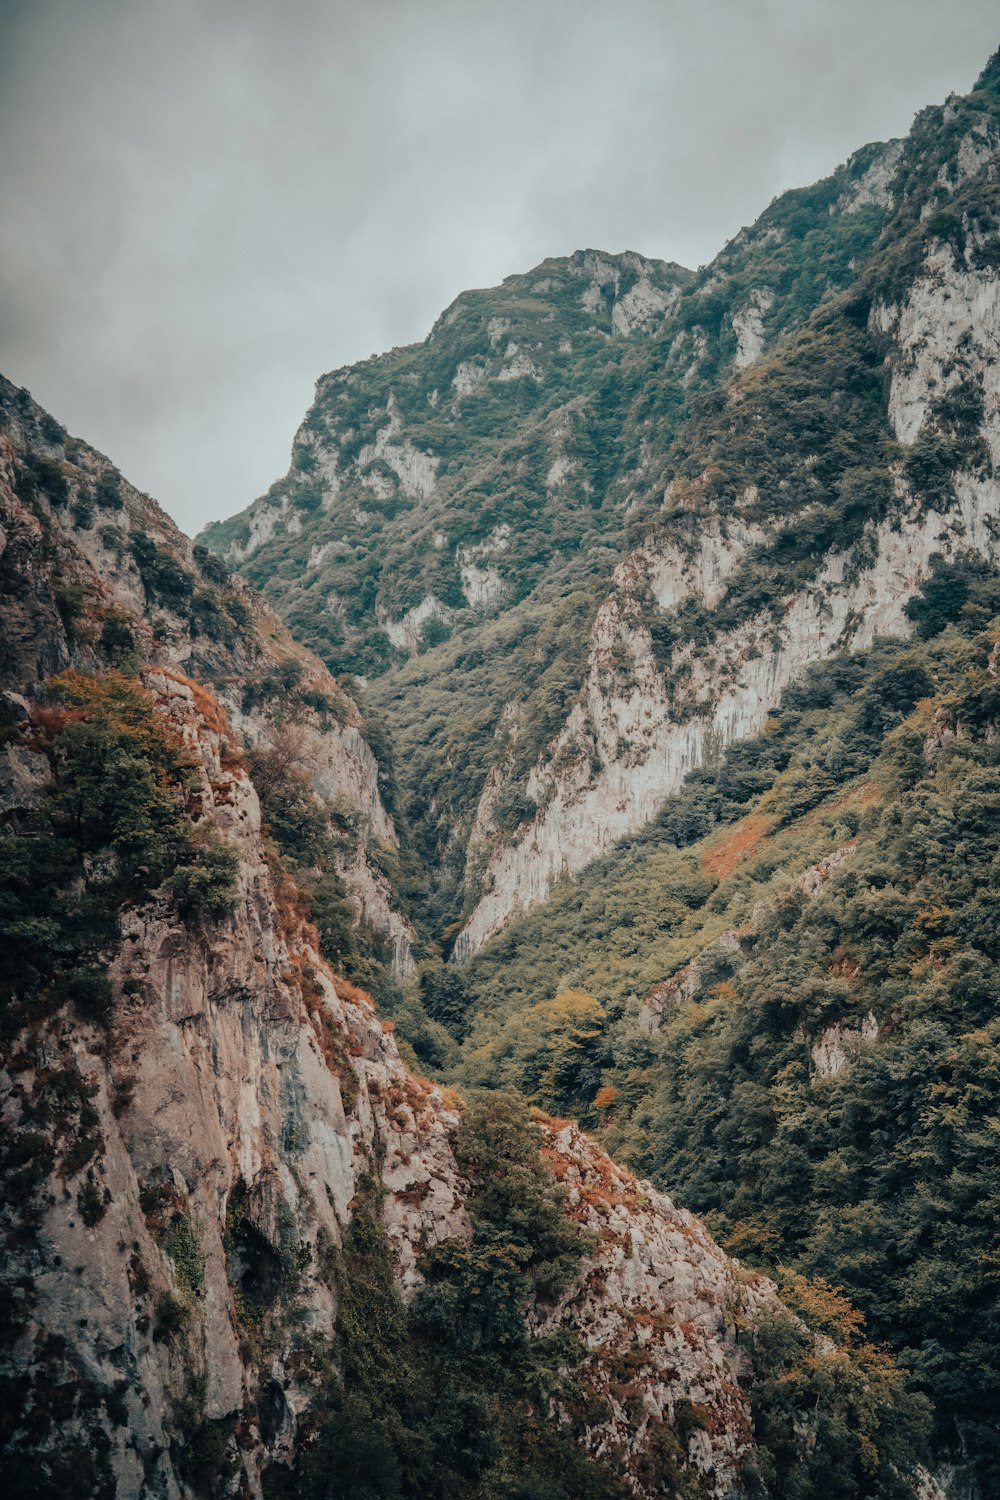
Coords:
pixel 97 575
pixel 679 665
pixel 599 587
pixel 411 506
pixel 210 1141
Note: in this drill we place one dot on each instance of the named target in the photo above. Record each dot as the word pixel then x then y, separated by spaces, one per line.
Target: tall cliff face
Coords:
pixel 97 575
pixel 211 1146
pixel 798 520
pixel 682 514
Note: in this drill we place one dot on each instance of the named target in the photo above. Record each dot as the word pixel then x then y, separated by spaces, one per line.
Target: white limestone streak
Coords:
pixel 643 752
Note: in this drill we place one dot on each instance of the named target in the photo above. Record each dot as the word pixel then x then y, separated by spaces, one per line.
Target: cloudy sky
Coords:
pixel 208 203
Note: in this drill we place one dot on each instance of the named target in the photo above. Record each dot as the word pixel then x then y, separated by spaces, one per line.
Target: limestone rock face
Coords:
pixel 181 1168
pixel 632 738
pixel 748 325
pixel 242 1090
pixel 232 1073
pixel 831 1052
pixel 78 555
pixel 652 1255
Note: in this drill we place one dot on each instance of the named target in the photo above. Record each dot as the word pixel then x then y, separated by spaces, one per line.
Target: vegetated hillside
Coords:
pixel 453 478
pixel 801 506
pixel 783 999
pixel 463 502
pixel 441 481
pixel 97 576
pixel 771 978
pixel 779 992
pixel 763 505
pixel 245 1251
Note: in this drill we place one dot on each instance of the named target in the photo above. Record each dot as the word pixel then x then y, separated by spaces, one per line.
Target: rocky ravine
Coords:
pixel 632 737
pixel 486 527
pixel 237 1094
pixel 180 1167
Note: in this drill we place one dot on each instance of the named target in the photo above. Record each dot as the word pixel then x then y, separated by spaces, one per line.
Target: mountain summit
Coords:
pixel 587 533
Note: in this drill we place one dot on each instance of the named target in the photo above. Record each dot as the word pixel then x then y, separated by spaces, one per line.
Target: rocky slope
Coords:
pixel 200 1120
pixel 417 481
pixel 96 574
pixel 749 575
pixel 455 510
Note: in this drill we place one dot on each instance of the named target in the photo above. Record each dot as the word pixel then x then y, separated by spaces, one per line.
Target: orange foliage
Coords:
pixel 541 1117
pixel 123 701
pixel 51 719
pixel 331 1043
pixel 722 857
pixel 821 1305
pixel 855 796
pixel 559 1164
pixel 353 993
pixel 293 912
pixel 205 702
pixel 724 990
pixel 452 1099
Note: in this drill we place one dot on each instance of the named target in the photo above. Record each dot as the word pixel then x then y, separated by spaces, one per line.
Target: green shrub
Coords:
pixel 206 884
pixel 200 1446
pixel 446 998
pixel 837 1420
pixel 108 490
pixel 119 644
pixel 181 1239
pixel 450 1399
pixel 92 1202
pixel 964 592
pixel 212 567
pixel 91 992
pixel 171 1318
pixel 164 578
pixel 71 601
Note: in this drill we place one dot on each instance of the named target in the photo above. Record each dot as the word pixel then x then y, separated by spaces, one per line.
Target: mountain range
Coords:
pixel 594 731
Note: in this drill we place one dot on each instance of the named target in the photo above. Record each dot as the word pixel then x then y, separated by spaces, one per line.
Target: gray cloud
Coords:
pixel 207 203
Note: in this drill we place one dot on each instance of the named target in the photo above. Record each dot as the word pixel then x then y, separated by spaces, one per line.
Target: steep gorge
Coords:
pixel 247 1251
pixel 646 774
pixel 670 526
pixel 717 665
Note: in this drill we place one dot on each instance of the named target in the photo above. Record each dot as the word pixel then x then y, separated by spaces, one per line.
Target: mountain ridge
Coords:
pixel 818 519
pixel 562 468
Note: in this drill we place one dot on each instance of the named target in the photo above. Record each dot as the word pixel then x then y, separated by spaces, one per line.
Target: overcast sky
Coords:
pixel 204 204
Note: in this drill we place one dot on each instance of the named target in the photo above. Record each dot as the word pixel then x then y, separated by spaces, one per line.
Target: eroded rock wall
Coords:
pixel 632 737
pixel 68 563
